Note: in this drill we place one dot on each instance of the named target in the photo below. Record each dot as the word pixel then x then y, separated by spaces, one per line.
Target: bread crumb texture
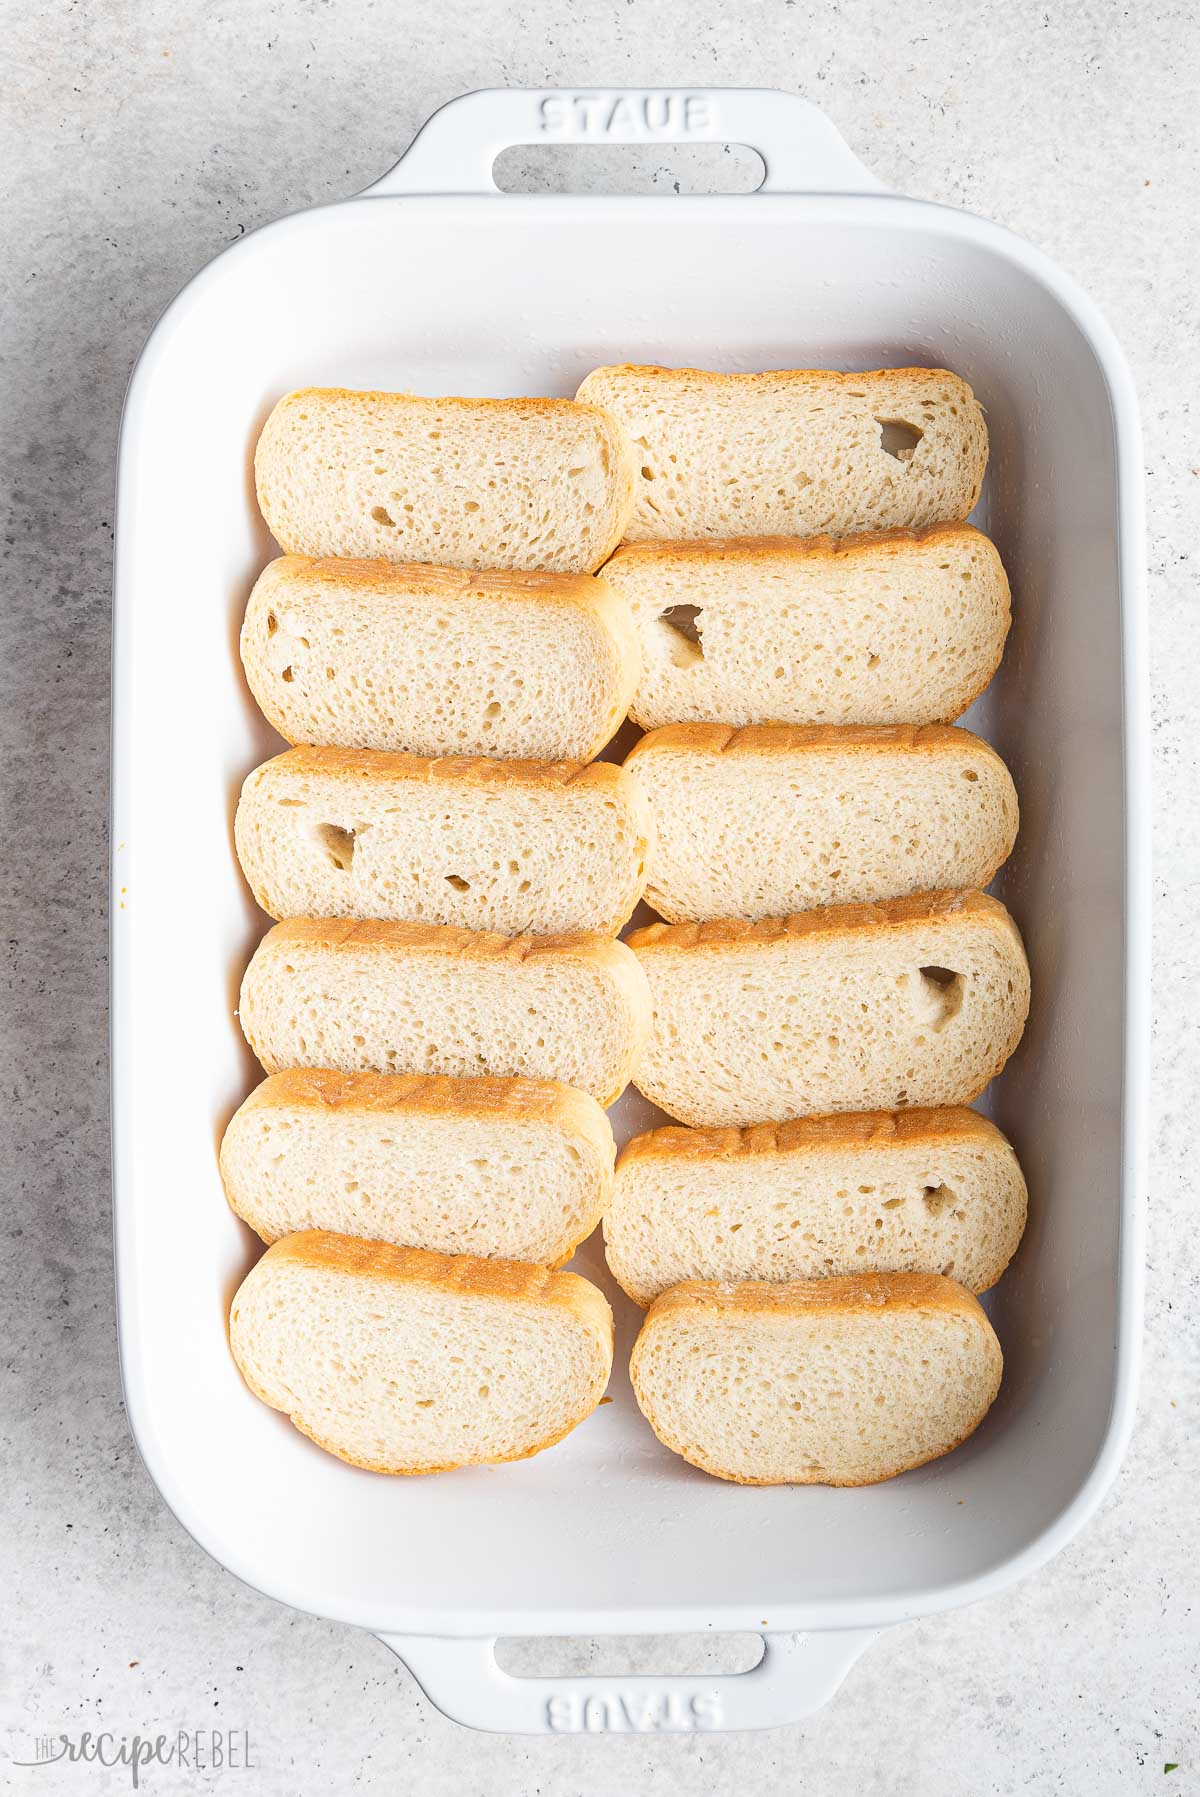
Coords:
pixel 795 451
pixel 469 483
pixel 771 819
pixel 407 1362
pixel 509 1168
pixel 929 1191
pixel 415 998
pixel 891 628
pixel 434 661
pixel 817 1382
pixel 912 1002
pixel 512 846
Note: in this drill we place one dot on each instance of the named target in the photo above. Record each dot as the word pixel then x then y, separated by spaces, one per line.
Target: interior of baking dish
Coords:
pixel 520 295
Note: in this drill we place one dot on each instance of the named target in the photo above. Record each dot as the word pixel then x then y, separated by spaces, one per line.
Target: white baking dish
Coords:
pixel 471 292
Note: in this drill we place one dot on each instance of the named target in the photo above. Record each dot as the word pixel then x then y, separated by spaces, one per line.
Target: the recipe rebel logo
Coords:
pixel 189 1750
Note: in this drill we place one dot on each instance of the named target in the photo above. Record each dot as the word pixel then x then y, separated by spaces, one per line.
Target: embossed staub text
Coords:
pixel 626 117
pixel 623 1712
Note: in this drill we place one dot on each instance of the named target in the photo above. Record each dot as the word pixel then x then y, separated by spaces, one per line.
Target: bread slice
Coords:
pixel 776 818
pixel 518 1169
pixel 816 1381
pixel 469 483
pixel 418 998
pixel 795 451
pixel 895 627
pixel 406 1362
pixel 434 661
pixel 934 1191
pixel 514 846
pixel 914 1002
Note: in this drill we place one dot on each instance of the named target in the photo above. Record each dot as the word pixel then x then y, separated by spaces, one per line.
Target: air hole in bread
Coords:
pixel 287 675
pixel 970 774
pixel 938 1198
pixel 272 623
pixel 381 515
pixel 682 628
pixel 898 439
pixel 938 997
pixel 458 883
pixel 338 844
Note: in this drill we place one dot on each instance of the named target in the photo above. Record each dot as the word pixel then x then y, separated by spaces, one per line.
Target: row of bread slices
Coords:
pixel 404 1361
pixel 777 1263
pixel 830 1011
pixel 891 627
pixel 704 821
pixel 910 1002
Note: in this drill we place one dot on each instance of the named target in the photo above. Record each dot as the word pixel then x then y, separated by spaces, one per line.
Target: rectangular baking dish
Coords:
pixel 433 281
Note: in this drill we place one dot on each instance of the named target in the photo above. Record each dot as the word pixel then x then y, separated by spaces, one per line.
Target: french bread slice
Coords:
pixel 402 1361
pixel 435 661
pixel 914 1002
pixel 936 1191
pixel 468 483
pixel 514 846
pixel 775 818
pixel 517 1169
pixel 423 998
pixel 816 1381
pixel 794 451
pixel 893 627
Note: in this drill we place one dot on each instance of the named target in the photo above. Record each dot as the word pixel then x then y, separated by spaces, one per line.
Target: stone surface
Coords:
pixel 138 139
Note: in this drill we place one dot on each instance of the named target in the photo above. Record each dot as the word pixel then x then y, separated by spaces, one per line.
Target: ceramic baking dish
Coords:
pixel 434 281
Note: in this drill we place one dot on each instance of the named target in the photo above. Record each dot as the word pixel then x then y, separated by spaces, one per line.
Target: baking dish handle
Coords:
pixel 796 1675
pixel 454 151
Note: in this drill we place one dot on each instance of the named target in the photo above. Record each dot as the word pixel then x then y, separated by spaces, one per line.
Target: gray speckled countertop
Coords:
pixel 138 140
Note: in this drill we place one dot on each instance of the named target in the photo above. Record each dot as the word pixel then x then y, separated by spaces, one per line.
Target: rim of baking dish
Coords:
pixel 902 1604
